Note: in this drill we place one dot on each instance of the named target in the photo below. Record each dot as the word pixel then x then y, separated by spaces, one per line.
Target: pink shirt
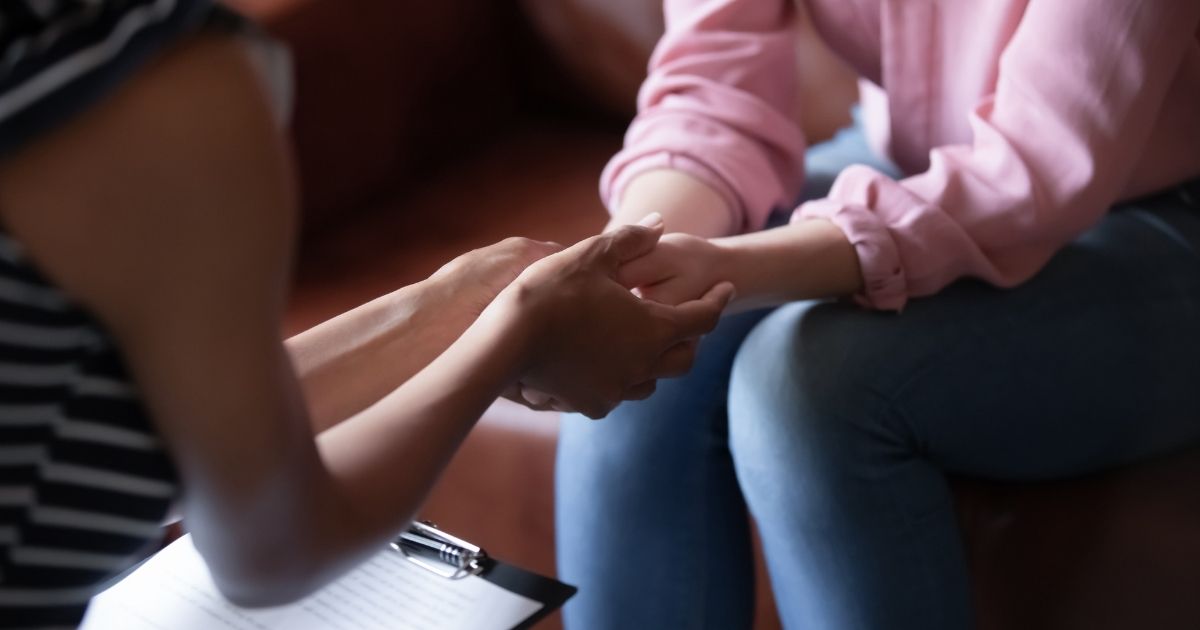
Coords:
pixel 1018 122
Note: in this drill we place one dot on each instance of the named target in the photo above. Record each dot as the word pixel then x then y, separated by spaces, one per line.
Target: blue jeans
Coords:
pixel 836 426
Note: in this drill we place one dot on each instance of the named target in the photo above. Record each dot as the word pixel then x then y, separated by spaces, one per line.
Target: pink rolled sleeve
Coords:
pixel 712 106
pixel 1036 116
pixel 1079 90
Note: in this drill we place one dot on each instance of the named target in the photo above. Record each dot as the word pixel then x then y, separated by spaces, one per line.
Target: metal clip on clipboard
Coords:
pixel 434 550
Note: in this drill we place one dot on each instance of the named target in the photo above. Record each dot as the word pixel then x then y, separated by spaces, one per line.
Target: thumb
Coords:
pixel 628 242
pixel 698 317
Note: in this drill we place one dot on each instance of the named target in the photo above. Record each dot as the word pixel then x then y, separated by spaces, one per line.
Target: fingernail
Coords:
pixel 653 219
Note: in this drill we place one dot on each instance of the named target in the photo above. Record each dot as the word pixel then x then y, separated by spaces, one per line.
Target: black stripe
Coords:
pixel 14 309
pixel 127 413
pixel 40 356
pixel 41 616
pixel 20 20
pixel 146 464
pixel 13 515
pixel 18 269
pixel 68 496
pixel 31 395
pixel 87 33
pixel 85 540
pixel 26 576
pixel 23 475
pixel 32 435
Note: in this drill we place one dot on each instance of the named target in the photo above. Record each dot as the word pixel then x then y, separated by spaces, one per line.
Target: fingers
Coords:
pixel 641 391
pixel 630 241
pixel 526 250
pixel 644 271
pixel 698 317
pixel 677 360
pixel 536 398
pixel 673 292
pixel 519 395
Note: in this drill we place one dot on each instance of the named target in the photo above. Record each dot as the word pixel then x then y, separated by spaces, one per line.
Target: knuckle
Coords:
pixel 519 245
pixel 516 241
pixel 595 411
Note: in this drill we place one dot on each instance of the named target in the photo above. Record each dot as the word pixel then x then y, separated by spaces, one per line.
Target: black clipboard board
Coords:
pixel 453 558
pixel 551 593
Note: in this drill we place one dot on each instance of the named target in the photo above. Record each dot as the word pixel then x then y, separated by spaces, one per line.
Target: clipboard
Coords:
pixel 447 583
pixel 453 558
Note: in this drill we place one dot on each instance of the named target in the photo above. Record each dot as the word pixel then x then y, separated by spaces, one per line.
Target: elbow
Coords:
pixel 265 589
pixel 269 575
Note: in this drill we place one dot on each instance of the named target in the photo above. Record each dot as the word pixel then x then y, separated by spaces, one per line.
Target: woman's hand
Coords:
pixel 463 287
pixel 682 267
pixel 594 342
pixel 356 358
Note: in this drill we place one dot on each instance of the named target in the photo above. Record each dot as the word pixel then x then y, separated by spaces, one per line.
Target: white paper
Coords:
pixel 173 591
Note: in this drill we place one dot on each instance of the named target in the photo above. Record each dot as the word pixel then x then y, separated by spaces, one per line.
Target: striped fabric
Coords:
pixel 84 481
pixel 58 57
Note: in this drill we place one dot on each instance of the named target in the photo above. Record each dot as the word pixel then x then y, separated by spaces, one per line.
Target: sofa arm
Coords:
pixel 386 90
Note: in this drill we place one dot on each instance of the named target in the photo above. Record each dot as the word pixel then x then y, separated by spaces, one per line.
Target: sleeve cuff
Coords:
pixel 885 286
pixel 618 174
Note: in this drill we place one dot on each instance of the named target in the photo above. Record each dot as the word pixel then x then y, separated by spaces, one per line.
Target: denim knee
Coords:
pixel 805 394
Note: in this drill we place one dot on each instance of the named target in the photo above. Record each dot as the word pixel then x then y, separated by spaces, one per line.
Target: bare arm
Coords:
pixel 176 232
pixel 686 203
pixel 347 363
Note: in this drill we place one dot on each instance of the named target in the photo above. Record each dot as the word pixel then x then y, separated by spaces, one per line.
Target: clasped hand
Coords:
pixel 594 343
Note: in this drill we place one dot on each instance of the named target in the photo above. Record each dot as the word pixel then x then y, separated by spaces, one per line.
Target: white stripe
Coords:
pixel 23 374
pixel 89 385
pixel 95 521
pixel 85 60
pixel 16 496
pixel 108 480
pixel 41 7
pixel 25 415
pixel 8 536
pixel 70 559
pixel 33 295
pixel 88 431
pixel 30 597
pixel 11 250
pixel 44 338
pixel 22 455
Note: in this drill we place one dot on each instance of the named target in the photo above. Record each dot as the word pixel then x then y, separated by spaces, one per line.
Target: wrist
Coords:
pixel 508 326
pixel 736 259
pixel 804 260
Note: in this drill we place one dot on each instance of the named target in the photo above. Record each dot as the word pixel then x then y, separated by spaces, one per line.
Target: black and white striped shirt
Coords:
pixel 84 481
pixel 59 57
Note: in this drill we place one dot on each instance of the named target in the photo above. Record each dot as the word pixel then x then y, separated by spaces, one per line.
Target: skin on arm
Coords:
pixel 176 232
pixel 685 203
pixel 347 363
pixel 804 260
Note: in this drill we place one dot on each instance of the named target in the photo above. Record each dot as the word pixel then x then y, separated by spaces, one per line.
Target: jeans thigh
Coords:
pixel 1091 364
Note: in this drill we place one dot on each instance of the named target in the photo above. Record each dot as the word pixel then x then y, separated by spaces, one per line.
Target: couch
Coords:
pixel 424 129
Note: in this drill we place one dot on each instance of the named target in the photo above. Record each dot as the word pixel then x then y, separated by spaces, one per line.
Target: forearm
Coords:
pixel 686 204
pixel 420 424
pixel 348 363
pixel 381 464
pixel 804 260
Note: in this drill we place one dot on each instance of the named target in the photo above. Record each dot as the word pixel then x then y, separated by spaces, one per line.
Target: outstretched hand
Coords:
pixel 462 288
pixel 598 344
